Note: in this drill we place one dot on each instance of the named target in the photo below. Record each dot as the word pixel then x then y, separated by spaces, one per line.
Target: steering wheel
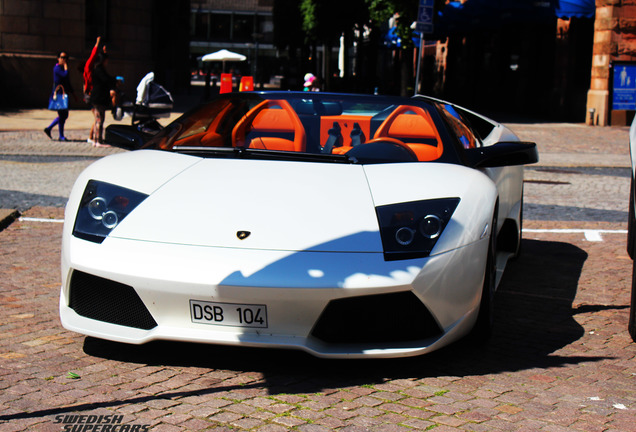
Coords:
pixel 392 141
pixel 382 150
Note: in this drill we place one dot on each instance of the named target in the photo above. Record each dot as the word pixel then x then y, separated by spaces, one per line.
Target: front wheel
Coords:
pixel 517 251
pixel 632 309
pixel 631 243
pixel 630 222
pixel 485 319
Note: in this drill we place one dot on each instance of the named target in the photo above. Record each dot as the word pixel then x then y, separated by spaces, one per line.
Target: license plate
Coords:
pixel 228 314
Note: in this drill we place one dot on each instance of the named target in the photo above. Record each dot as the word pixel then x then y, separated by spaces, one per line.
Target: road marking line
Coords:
pixel 30 219
pixel 593 235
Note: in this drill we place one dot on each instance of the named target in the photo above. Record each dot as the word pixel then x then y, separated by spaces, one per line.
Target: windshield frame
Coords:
pixel 314 110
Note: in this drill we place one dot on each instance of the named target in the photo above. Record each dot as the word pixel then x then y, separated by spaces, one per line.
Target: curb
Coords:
pixel 7 216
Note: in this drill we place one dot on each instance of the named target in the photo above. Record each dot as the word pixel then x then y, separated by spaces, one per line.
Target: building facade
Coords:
pixel 242 26
pixel 557 65
pixel 141 36
pixel 614 46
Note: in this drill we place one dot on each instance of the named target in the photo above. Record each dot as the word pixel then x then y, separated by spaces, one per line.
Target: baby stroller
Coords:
pixel 153 102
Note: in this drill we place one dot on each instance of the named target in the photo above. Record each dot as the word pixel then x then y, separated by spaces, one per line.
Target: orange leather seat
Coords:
pixel 413 126
pixel 200 133
pixel 271 118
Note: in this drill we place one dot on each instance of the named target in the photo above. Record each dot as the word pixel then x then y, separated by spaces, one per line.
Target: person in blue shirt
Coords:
pixel 60 78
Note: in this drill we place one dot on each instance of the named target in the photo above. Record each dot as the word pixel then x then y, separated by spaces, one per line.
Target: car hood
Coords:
pixel 283 205
pixel 257 204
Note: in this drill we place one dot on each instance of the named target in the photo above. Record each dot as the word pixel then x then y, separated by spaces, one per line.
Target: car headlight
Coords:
pixel 102 207
pixel 410 230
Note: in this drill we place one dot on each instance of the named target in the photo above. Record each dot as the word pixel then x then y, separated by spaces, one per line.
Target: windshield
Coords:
pixel 357 128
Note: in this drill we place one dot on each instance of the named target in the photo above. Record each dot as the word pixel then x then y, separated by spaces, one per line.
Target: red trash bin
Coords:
pixel 226 83
pixel 247 83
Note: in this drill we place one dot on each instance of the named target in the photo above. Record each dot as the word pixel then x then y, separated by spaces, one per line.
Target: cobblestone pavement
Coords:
pixel 560 358
pixel 582 175
pixel 37 171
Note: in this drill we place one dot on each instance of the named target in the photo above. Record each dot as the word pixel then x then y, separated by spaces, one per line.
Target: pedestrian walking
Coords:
pixel 102 96
pixel 88 81
pixel 61 90
pixel 311 83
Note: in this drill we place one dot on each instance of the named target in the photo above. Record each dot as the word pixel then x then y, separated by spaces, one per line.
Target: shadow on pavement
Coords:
pixel 534 319
pixel 23 201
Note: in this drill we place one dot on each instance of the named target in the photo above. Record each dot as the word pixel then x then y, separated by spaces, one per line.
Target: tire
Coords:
pixel 631 241
pixel 520 236
pixel 632 310
pixel 485 319
pixel 630 222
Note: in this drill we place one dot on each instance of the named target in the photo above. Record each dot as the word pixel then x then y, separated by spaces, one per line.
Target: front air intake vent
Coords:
pixel 382 318
pixel 105 300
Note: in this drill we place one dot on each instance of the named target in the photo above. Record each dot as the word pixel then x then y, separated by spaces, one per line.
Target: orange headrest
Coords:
pixel 411 126
pixel 273 120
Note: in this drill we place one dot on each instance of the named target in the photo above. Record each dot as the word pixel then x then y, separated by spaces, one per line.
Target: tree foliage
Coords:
pixel 380 11
pixel 324 21
pixel 300 23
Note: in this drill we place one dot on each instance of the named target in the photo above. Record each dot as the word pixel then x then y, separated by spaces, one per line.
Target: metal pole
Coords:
pixel 419 62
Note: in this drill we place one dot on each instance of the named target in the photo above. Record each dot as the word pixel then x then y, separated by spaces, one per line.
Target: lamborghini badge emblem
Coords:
pixel 242 235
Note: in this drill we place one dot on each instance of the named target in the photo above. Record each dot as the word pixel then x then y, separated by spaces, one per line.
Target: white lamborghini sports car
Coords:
pixel 343 225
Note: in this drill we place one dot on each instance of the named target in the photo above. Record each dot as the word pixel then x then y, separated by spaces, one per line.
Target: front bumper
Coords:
pixel 295 287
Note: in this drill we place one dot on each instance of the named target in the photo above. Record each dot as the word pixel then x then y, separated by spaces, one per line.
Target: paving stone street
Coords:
pixel 560 359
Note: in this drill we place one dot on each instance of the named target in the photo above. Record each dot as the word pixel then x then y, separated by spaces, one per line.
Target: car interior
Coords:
pixel 311 126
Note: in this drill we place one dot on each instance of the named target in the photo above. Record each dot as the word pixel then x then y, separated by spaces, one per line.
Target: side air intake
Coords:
pixel 105 300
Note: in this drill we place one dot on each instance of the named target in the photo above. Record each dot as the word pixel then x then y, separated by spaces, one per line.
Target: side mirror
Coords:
pixel 503 154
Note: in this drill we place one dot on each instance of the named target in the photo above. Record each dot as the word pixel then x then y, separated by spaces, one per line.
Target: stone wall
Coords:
pixel 626 31
pixel 614 40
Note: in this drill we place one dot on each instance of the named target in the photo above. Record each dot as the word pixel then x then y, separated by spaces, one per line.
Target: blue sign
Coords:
pixel 425 17
pixel 624 91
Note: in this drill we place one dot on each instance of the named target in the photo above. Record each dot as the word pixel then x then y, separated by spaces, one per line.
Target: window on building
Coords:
pixel 243 28
pixel 228 26
pixel 220 27
pixel 200 29
pixel 265 26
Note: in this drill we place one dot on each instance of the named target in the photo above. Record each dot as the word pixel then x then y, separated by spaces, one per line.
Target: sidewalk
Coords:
pixel 38 119
pixel 22 133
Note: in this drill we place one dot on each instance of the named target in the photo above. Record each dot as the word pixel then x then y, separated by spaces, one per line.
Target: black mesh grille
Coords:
pixel 382 318
pixel 104 300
